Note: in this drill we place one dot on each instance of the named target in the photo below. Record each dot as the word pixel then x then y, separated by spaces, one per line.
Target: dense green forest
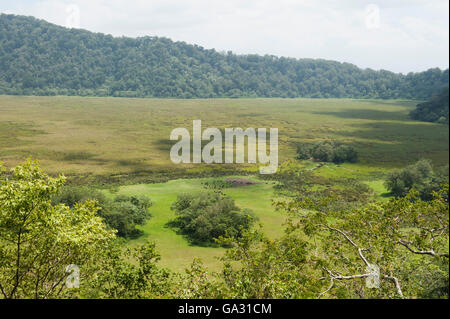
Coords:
pixel 434 110
pixel 39 58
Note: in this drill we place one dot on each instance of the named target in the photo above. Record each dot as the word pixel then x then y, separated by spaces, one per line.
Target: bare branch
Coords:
pixel 340 277
pixel 3 291
pixel 334 277
pixel 397 285
pixel 421 252
pixel 360 250
pixel 328 289
pixel 343 234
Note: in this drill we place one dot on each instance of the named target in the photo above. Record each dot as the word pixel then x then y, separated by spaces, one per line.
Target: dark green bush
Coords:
pixel 327 151
pixel 217 184
pixel 123 213
pixel 434 110
pixel 70 195
pixel 420 176
pixel 206 216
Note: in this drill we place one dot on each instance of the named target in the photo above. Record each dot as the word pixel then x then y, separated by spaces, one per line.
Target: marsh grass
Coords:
pixel 120 136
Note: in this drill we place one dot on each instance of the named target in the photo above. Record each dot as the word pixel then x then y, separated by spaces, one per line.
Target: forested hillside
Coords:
pixel 434 110
pixel 39 58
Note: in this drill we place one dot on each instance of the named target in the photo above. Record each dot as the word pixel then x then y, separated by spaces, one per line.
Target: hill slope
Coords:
pixel 434 110
pixel 39 58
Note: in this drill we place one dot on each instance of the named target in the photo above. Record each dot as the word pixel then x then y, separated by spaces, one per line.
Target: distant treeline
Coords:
pixel 434 110
pixel 39 58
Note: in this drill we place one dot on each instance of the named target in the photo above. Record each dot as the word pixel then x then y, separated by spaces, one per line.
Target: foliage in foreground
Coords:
pixel 130 273
pixel 326 252
pixel 407 239
pixel 39 240
pixel 209 215
pixel 123 213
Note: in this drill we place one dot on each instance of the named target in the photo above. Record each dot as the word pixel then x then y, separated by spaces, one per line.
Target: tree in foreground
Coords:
pixel 39 241
pixel 123 213
pixel 131 273
pixel 397 249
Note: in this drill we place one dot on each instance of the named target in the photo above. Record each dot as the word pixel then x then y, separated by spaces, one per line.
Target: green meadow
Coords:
pixel 122 146
pixel 176 251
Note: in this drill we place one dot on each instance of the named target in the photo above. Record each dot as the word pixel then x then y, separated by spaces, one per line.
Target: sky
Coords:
pixel 397 35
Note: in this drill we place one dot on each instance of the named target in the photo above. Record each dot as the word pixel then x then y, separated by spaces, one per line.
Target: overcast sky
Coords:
pixel 396 35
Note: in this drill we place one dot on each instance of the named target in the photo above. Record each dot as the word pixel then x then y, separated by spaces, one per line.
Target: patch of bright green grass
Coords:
pixel 176 252
pixel 380 190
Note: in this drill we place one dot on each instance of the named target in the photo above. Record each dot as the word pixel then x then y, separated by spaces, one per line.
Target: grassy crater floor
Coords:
pixel 119 136
pixel 176 252
pixel 127 140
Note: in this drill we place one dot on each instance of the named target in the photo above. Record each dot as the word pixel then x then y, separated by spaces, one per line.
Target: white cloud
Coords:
pixel 413 34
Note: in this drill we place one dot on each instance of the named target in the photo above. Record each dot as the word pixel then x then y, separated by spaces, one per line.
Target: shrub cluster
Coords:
pixel 206 216
pixel 420 176
pixel 327 151
pixel 217 184
pixel 123 213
